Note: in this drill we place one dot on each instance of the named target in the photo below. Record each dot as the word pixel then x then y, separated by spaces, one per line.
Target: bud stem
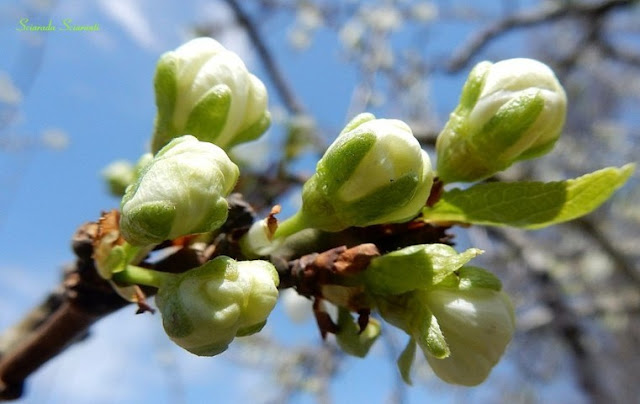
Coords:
pixel 136 275
pixel 291 226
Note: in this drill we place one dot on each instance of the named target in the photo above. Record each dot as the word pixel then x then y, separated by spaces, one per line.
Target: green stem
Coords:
pixel 135 275
pixel 291 226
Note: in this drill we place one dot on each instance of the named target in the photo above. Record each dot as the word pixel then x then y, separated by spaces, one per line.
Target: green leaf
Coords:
pixel 349 337
pixel 405 361
pixel 530 205
pixel 415 267
pixel 117 260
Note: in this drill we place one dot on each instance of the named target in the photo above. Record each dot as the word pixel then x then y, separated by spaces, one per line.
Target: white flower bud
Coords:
pixel 477 325
pixel 374 172
pixel 181 191
pixel 118 176
pixel 205 308
pixel 509 111
pixel 205 90
pixel 462 324
pixel 122 173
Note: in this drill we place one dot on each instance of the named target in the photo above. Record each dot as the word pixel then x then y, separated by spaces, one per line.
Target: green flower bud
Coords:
pixel 205 308
pixel 119 175
pixel 509 111
pixel 205 90
pixel 181 191
pixel 462 324
pixel 477 324
pixel 374 172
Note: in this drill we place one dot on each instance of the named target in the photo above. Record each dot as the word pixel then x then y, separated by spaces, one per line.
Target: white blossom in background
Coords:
pixel 55 138
pixel 424 11
pixel 297 308
pixel 9 93
pixel 309 16
pixel 382 18
pixel 351 33
pixel 299 38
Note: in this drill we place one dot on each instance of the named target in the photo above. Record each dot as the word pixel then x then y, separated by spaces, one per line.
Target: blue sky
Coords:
pixel 96 89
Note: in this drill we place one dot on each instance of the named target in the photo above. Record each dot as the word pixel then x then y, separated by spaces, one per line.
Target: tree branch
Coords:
pixel 565 321
pixel 621 55
pixel 618 257
pixel 282 86
pixel 531 18
pixel 84 297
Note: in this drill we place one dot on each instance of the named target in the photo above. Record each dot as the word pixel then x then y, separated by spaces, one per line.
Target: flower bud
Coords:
pixel 374 172
pixel 463 324
pixel 205 90
pixel 509 111
pixel 122 173
pixel 477 323
pixel 181 191
pixel 205 308
pixel 118 175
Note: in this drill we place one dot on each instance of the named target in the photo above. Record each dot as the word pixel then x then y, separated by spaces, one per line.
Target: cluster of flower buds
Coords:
pixel 204 90
pixel 456 314
pixel 374 172
pixel 181 191
pixel 207 102
pixel 205 308
pixel 509 111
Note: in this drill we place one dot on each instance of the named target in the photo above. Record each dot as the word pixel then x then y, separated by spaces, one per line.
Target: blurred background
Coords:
pixel 72 102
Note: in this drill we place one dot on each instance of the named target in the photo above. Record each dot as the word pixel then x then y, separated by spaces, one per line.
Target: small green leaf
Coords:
pixel 117 260
pixel 349 337
pixel 415 267
pixel 405 361
pixel 530 205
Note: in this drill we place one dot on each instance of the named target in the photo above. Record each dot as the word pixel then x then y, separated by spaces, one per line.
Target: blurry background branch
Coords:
pixel 590 13
pixel 289 98
pixel 564 321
